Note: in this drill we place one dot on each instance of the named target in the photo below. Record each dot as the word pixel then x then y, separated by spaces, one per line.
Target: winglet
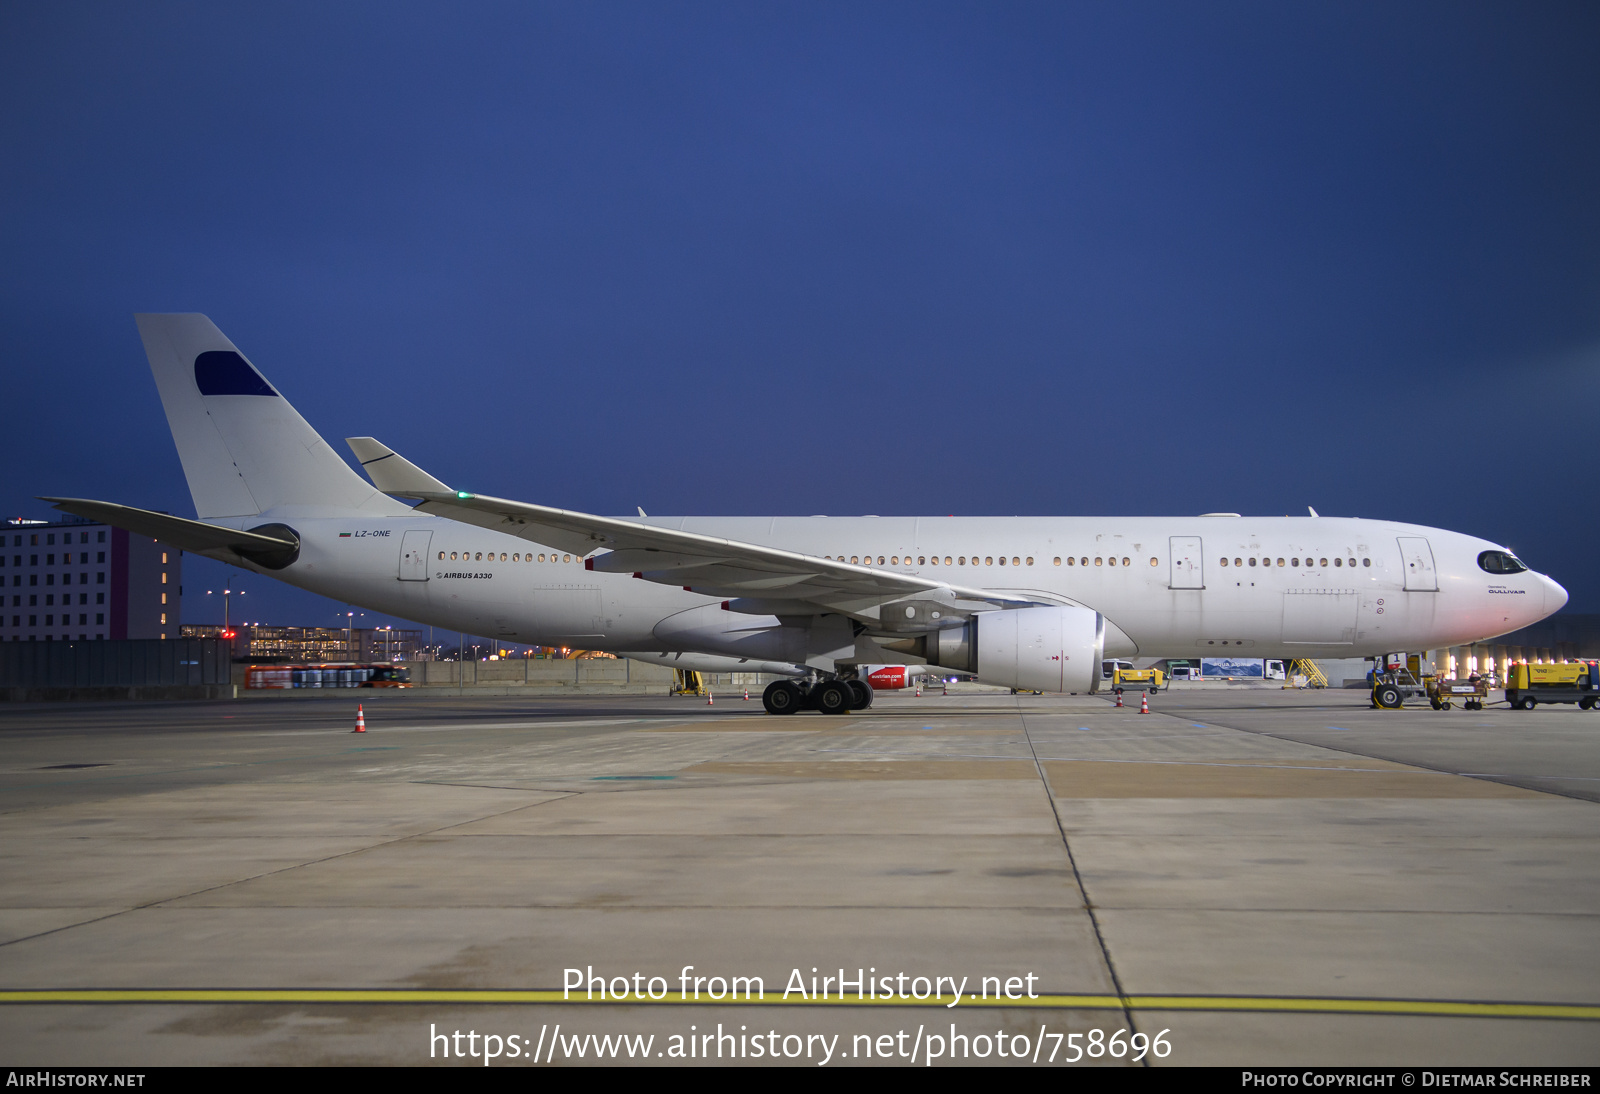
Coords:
pixel 393 473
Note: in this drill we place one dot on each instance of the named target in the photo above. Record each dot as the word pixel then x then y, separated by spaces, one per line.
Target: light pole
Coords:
pixel 227 593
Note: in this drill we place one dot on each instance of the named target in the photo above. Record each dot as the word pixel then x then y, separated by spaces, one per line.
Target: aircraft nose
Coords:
pixel 1555 597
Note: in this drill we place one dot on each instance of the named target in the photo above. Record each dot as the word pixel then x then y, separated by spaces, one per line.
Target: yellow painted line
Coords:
pixel 1268 1004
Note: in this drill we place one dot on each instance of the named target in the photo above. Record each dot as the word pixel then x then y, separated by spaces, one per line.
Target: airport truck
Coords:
pixel 1571 682
pixel 1132 679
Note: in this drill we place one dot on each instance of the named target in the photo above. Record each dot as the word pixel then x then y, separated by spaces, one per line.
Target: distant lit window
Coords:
pixel 1016 561
pixel 947 560
pixel 1058 560
pixel 163 618
pixel 1097 561
pixel 1152 562
pixel 989 560
pixel 163 558
pixel 163 598
pixel 1280 562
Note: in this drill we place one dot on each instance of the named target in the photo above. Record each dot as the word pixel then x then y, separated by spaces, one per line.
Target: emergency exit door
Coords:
pixel 414 556
pixel 1188 567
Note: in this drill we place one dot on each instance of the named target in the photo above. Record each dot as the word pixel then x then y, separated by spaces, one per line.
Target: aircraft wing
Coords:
pixel 774 577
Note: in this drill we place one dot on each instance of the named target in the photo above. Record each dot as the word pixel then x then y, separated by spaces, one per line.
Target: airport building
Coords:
pixel 77 580
pixel 313 645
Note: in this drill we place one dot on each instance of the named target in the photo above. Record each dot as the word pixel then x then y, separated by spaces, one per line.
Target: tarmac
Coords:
pixel 1257 877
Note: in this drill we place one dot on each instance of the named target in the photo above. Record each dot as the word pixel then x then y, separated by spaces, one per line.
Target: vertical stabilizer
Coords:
pixel 244 449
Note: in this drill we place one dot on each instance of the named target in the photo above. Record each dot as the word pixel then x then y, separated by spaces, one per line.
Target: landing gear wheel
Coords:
pixel 832 697
pixel 781 697
pixel 1386 697
pixel 860 693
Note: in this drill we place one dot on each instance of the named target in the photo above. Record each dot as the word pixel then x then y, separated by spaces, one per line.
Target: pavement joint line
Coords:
pixel 158 902
pixel 1077 876
pixel 1406 769
pixel 1444 1008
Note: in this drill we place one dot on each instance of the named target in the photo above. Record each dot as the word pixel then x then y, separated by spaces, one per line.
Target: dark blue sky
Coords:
pixel 844 258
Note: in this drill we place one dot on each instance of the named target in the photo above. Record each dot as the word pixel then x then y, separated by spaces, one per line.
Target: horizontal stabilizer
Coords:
pixel 272 546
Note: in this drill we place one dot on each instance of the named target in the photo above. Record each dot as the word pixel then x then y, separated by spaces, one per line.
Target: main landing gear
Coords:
pixel 833 696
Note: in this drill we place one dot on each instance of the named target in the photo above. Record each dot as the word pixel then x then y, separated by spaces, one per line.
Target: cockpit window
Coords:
pixel 1500 562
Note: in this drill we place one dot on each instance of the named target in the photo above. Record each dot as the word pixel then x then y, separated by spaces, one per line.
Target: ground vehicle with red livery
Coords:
pixel 335 675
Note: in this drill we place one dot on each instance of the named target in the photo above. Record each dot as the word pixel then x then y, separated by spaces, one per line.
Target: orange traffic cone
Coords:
pixel 361 720
pixel 709 702
pixel 1144 703
pixel 919 691
pixel 747 695
pixel 1119 700
pixel 947 687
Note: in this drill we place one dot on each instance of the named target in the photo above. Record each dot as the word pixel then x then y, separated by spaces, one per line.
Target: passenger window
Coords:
pixel 1295 562
pixel 1252 560
pixel 989 560
pixel 920 561
pixel 1366 562
pixel 1224 562
pixel 1152 562
pixel 1097 560
pixel 1238 562
pixel 1084 561
pixel 1323 562
pixel 502 556
pixel 1338 562
pixel 1058 560
pixel 1280 562
pixel 854 560
pixel 1126 562
pixel 1030 560
pixel 566 558
pixel 1002 560
pixel 452 556
pixel 441 556
pixel 880 560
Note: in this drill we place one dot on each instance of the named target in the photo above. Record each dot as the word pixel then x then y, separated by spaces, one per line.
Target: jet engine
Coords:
pixel 1034 649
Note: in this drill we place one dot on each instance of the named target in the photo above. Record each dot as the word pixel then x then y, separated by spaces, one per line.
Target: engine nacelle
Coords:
pixel 1033 649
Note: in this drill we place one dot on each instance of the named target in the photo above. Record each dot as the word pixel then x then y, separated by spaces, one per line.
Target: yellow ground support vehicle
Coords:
pixel 1571 682
pixel 1151 680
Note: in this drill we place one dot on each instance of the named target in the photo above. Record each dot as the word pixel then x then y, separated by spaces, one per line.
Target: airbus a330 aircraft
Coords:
pixel 1030 602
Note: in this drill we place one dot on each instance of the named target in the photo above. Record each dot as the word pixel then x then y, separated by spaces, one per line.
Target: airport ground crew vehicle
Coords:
pixel 1572 682
pixel 1151 680
pixel 1470 693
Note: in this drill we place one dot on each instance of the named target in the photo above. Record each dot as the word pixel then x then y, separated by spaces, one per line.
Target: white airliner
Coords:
pixel 1030 602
